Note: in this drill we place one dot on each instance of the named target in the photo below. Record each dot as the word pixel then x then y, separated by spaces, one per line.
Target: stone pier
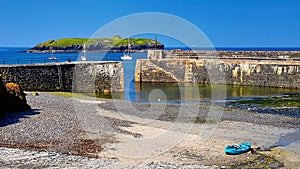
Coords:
pixel 268 73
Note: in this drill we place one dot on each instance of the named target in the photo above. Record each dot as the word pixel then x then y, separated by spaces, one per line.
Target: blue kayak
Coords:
pixel 238 148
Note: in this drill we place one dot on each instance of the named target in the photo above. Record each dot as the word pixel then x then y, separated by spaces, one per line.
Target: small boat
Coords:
pixel 52 56
pixel 127 56
pixel 83 57
pixel 236 149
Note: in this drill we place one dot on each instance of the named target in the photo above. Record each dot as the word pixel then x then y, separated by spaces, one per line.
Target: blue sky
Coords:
pixel 227 23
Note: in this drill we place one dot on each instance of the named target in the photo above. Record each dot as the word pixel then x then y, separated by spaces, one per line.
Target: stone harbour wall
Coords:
pixel 266 73
pixel 74 76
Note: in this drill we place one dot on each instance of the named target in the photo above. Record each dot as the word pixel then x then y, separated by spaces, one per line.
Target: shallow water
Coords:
pixel 168 92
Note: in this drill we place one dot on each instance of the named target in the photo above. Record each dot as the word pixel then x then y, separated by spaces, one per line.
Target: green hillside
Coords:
pixel 104 42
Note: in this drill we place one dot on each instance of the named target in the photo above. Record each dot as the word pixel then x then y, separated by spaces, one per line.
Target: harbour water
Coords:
pixel 14 55
pixel 144 92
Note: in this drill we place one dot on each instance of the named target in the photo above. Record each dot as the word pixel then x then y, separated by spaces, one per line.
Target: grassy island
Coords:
pixel 115 43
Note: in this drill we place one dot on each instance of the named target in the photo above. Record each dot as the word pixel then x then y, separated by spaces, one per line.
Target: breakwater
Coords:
pixel 268 73
pixel 74 76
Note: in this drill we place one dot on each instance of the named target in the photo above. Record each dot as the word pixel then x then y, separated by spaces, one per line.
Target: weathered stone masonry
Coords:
pixel 220 71
pixel 74 76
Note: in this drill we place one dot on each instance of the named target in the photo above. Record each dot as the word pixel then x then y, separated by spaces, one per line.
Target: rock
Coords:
pixel 2 87
pixel 12 98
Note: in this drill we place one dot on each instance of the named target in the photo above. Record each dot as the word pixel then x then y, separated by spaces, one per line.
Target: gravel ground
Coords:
pixel 58 129
pixel 55 124
pixel 16 158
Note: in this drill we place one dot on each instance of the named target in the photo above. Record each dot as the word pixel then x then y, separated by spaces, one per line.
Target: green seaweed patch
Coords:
pixel 261 161
pixel 228 109
pixel 278 101
pixel 104 96
pixel 82 95
pixel 200 120
pixel 70 94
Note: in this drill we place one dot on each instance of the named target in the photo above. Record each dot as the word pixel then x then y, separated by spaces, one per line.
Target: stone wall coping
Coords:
pixel 57 63
pixel 238 61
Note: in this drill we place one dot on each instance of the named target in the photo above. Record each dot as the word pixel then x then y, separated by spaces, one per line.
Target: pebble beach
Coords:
pixel 72 132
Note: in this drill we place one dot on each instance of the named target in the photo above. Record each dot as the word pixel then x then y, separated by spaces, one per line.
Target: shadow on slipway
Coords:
pixel 12 118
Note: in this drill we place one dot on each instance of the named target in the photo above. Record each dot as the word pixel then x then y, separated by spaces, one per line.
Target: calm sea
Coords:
pixel 13 55
pixel 144 92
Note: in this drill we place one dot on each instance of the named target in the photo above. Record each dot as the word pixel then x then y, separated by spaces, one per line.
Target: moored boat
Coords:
pixel 52 56
pixel 127 56
pixel 83 57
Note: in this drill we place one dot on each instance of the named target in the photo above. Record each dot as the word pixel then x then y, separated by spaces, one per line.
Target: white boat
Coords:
pixel 52 56
pixel 83 57
pixel 127 56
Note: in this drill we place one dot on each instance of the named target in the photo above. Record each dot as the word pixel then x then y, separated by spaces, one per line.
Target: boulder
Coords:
pixel 12 98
